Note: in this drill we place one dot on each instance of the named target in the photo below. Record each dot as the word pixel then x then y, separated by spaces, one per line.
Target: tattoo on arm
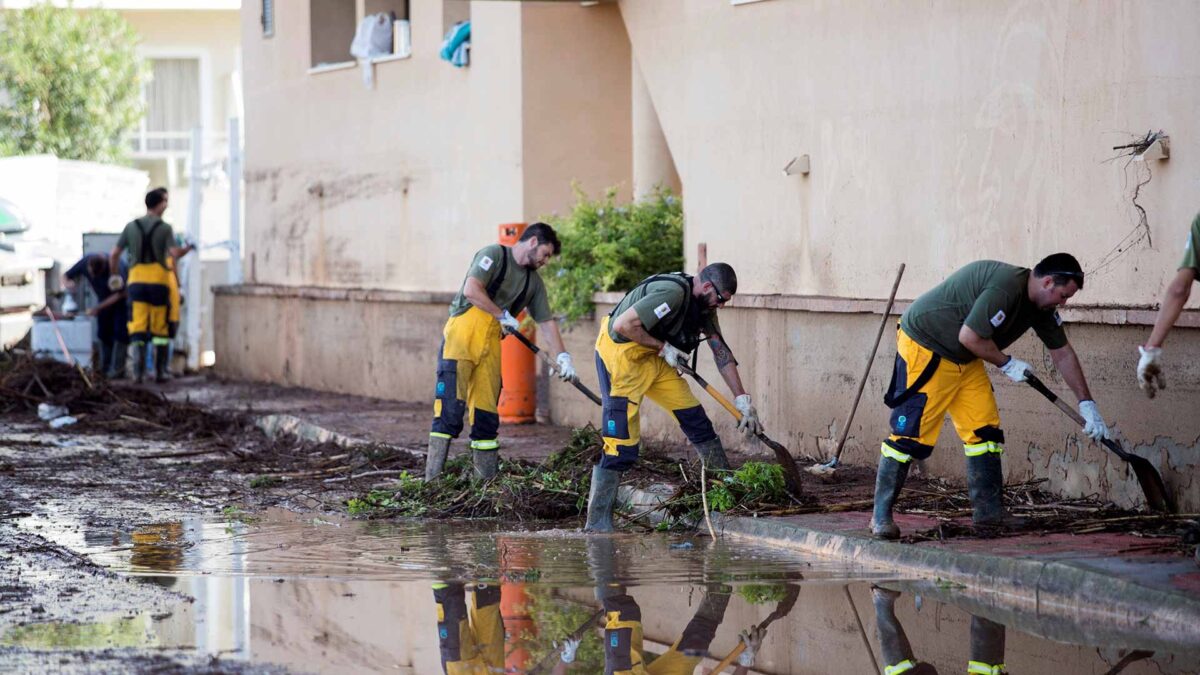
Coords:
pixel 721 353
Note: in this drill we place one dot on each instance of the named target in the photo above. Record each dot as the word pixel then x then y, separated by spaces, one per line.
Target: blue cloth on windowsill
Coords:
pixel 456 46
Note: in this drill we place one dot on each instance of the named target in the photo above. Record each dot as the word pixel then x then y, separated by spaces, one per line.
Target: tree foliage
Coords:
pixel 70 83
pixel 611 247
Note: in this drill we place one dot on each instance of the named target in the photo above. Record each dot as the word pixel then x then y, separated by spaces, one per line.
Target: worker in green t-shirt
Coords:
pixel 650 332
pixel 945 336
pixel 1149 370
pixel 499 284
pixel 153 296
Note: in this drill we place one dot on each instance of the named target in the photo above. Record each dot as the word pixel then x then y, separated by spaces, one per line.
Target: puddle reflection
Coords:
pixel 318 596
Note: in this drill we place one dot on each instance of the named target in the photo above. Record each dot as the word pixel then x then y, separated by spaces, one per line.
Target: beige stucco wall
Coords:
pixel 395 186
pixel 939 133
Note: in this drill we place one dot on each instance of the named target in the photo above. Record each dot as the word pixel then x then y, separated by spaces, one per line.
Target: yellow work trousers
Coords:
pixel 468 379
pixel 471 638
pixel 628 373
pixel 963 391
pixel 173 299
pixel 149 289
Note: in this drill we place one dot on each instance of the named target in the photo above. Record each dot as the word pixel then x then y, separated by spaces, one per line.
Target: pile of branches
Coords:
pixel 1041 512
pixel 558 488
pixel 26 382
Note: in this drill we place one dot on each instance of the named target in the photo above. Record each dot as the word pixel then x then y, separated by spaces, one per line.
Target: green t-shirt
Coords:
pixel 486 265
pixel 660 302
pixel 989 296
pixel 134 235
pixel 1189 250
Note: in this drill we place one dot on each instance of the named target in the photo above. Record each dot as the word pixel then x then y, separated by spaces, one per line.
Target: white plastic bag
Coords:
pixel 373 37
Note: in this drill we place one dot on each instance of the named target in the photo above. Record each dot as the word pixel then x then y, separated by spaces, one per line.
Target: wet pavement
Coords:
pixel 318 594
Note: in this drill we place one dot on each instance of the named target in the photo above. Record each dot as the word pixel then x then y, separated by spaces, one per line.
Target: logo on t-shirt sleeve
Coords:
pixel 485 263
pixel 998 319
pixel 1058 318
pixel 662 310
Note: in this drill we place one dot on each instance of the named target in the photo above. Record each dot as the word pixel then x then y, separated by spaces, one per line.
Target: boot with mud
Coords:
pixel 601 499
pixel 487 462
pixel 435 458
pixel 985 485
pixel 139 362
pixel 888 482
pixel 161 359
pixel 713 454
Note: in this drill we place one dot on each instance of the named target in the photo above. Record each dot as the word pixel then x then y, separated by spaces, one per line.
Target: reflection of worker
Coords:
pixel 471 638
pixel 623 648
pixel 945 337
pixel 151 245
pixel 159 546
pixel 110 311
pixel 651 331
pixel 1149 370
pixel 500 283
pixel 987 641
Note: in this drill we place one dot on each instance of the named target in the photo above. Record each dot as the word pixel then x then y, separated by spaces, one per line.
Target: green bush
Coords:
pixel 73 80
pixel 611 247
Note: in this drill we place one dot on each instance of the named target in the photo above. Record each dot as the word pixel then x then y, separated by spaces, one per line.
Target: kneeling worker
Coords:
pixel 649 333
pixel 499 284
pixel 944 338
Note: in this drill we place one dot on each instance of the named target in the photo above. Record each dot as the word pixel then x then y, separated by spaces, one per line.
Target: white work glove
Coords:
pixel 569 647
pixel 1015 369
pixel 1095 427
pixel 749 424
pixel 115 283
pixel 1149 372
pixel 752 638
pixel 671 355
pixel 509 323
pixel 566 367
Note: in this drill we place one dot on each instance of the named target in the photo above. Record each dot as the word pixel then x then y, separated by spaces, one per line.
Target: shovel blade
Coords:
pixel 1152 484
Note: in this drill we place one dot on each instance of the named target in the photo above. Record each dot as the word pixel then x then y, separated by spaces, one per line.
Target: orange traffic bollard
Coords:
pixel 518 372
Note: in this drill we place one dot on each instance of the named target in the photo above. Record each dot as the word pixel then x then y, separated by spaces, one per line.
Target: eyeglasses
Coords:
pixel 721 299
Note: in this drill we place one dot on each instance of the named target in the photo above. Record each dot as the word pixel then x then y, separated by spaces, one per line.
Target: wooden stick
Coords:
pixel 862 381
pixel 66 352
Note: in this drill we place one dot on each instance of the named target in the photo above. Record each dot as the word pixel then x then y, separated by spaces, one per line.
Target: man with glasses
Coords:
pixel 1149 370
pixel 650 332
pixel 942 342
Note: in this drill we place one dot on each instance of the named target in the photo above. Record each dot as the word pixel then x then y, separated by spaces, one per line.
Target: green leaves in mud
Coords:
pixel 761 594
pixel 554 489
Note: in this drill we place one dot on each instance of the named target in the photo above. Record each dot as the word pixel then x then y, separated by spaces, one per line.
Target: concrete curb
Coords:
pixel 1048 589
pixel 277 425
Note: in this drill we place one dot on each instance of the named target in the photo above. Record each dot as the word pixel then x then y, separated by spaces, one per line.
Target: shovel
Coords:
pixel 791 475
pixel 781 610
pixel 1147 476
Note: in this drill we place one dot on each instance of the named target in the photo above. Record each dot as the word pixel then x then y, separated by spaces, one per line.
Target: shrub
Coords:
pixel 611 247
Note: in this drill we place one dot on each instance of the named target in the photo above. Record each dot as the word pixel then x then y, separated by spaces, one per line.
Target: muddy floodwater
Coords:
pixel 305 593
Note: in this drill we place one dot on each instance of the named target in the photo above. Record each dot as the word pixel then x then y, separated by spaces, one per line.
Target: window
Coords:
pixel 454 11
pixel 172 106
pixel 333 23
pixel 267 18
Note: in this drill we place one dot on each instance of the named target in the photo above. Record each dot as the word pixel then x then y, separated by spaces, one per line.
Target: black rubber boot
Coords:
pixel 985 485
pixel 714 454
pixel 698 635
pixel 987 642
pixel 888 481
pixel 120 351
pixel 601 498
pixel 487 462
pixel 139 362
pixel 161 356
pixel 435 459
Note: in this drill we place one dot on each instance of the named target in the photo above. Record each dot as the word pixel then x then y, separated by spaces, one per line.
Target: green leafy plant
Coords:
pixel 73 81
pixel 761 594
pixel 611 247
pixel 259 482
